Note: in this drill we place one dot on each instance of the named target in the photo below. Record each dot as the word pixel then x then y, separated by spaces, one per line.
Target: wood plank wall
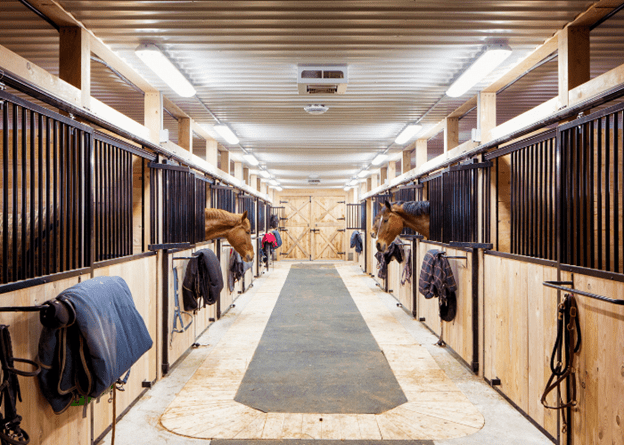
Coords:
pixel 457 333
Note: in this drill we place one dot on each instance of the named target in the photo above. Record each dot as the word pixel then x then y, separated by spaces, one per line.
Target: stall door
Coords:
pixel 296 237
pixel 328 228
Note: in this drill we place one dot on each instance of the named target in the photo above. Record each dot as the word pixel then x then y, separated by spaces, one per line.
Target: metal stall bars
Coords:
pixel 412 192
pixel 47 214
pixel 173 206
pixel 356 220
pixel 530 166
pixel 592 179
pixel 453 196
pixel 113 190
pixel 247 203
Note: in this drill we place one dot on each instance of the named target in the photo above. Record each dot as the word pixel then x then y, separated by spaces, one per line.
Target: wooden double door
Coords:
pixel 315 227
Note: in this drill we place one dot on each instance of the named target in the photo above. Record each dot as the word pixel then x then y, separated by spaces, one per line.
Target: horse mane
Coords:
pixel 222 215
pixel 415 208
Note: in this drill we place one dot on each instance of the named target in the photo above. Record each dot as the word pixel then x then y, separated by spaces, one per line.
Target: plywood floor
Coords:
pixel 436 408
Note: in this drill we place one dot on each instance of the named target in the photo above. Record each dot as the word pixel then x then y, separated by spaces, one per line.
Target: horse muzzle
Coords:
pixel 381 248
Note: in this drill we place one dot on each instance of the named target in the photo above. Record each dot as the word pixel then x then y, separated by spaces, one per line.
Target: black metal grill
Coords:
pixel 262 216
pixel 46 217
pixel 248 204
pixel 223 198
pixel 407 194
pixel 356 216
pixel 113 199
pixel 592 180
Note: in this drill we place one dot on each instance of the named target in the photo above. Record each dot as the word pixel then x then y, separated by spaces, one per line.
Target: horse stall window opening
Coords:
pixel 407 194
pixel 378 202
pixel 525 197
pixel 592 184
pixel 223 198
pixel 453 202
pixel 175 217
pixel 280 213
pixel 45 225
pixel 247 204
pixel 356 216
pixel 200 194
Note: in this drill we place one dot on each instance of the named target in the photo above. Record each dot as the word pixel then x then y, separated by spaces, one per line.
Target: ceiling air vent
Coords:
pixel 319 79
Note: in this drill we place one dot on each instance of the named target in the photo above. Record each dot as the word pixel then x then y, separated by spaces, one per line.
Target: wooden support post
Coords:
pixel 573 58
pixel 486 115
pixel 383 171
pixel 75 60
pixel 153 115
pixel 212 152
pixel 185 134
pixel 238 170
pixel 258 184
pixel 406 164
pixel 392 170
pixel 246 175
pixel 253 182
pixel 374 181
pixel 369 184
pixel 451 133
pixel 421 152
pixel 225 161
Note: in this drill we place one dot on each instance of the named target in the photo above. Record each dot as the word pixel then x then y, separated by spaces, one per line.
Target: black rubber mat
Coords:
pixel 317 355
pixel 318 442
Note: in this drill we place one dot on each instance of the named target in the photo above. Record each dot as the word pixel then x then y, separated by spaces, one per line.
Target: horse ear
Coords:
pixel 244 216
pixel 388 205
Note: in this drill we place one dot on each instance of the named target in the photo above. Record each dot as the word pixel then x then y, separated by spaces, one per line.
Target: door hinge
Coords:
pixel 341 230
pixel 282 253
pixel 342 202
pixel 341 253
pixel 340 219
pixel 283 202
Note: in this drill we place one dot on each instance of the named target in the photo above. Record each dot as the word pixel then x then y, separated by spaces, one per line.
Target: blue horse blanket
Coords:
pixel 90 353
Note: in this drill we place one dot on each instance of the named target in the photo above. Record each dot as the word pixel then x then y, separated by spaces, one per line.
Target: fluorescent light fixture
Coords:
pixel 363 173
pixel 379 159
pixel 483 66
pixel 353 182
pixel 346 189
pixel 251 159
pixel 151 56
pixel 408 133
pixel 274 182
pixel 278 188
pixel 226 133
pixel 265 174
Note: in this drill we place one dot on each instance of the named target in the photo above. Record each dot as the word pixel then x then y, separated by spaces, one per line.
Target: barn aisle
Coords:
pixel 366 373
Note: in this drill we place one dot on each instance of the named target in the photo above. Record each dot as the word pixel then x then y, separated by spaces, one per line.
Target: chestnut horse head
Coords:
pixel 396 216
pixel 236 228
pixel 376 223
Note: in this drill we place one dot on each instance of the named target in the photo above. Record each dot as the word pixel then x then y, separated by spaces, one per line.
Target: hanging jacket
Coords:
pixel 235 269
pixel 203 279
pixel 269 238
pixel 278 237
pixel 436 275
pixel 406 275
pixel 104 338
pixel 394 251
pixel 356 241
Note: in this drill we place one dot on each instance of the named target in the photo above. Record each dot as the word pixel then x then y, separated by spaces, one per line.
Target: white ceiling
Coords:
pixel 242 58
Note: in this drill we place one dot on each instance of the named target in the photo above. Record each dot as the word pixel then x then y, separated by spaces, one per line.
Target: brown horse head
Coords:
pixel 396 216
pixel 376 222
pixel 235 228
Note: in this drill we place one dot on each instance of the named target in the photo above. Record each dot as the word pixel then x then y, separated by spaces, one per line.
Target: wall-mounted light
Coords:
pixel 265 174
pixel 484 65
pixel 251 159
pixel 151 56
pixel 226 133
pixel 379 159
pixel 407 134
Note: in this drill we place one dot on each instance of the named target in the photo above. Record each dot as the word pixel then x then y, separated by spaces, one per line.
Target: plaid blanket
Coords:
pixel 436 275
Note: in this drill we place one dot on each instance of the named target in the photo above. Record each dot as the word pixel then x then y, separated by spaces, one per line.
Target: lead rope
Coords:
pixel 117 386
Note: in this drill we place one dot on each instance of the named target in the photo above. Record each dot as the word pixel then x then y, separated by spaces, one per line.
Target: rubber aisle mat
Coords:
pixel 317 355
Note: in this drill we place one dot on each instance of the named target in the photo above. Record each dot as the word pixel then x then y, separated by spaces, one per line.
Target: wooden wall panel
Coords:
pixel 457 333
pixel 143 291
pixel 43 426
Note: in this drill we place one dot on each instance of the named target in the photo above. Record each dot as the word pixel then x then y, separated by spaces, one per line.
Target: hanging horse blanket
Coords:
pixel 237 269
pixel 104 337
pixel 437 280
pixel 203 280
pixel 278 237
pixel 356 241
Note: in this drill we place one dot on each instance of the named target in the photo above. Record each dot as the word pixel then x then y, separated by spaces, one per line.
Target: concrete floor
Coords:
pixel 503 424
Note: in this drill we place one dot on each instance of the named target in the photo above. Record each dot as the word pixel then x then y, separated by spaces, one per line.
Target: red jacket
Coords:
pixel 269 238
